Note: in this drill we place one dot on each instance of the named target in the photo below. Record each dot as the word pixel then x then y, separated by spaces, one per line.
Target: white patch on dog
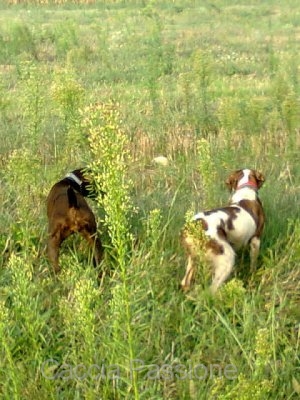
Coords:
pixel 243 194
pixel 243 227
pixel 245 178
pixel 222 266
pixel 74 178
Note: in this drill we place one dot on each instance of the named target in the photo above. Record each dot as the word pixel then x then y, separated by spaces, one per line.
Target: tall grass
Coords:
pixel 151 79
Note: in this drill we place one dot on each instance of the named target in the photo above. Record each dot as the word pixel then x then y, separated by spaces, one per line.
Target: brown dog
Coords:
pixel 68 212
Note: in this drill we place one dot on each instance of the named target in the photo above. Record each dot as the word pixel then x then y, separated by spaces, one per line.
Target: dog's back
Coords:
pixel 62 197
pixel 232 223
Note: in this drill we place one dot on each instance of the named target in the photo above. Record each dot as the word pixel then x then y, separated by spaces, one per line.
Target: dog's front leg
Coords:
pixel 254 251
pixel 98 250
pixel 95 243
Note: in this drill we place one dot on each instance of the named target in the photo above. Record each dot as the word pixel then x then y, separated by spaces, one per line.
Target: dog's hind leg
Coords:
pixel 189 274
pixel 54 243
pixel 223 267
pixel 190 245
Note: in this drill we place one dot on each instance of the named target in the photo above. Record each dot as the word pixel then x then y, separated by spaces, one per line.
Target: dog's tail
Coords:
pixel 72 198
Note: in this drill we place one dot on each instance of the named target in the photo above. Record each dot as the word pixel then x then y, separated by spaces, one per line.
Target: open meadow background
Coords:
pixel 213 86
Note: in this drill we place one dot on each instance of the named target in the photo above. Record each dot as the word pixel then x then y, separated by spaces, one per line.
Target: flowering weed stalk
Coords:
pixel 109 148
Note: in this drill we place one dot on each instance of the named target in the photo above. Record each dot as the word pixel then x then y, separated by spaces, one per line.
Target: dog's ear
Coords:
pixel 232 181
pixel 259 178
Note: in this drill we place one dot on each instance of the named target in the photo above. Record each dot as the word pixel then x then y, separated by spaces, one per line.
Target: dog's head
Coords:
pixel 245 177
pixel 83 182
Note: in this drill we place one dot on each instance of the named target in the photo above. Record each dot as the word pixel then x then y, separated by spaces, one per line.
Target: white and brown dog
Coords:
pixel 228 229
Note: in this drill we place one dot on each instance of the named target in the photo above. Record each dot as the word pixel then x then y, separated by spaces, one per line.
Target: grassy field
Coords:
pixel 213 86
